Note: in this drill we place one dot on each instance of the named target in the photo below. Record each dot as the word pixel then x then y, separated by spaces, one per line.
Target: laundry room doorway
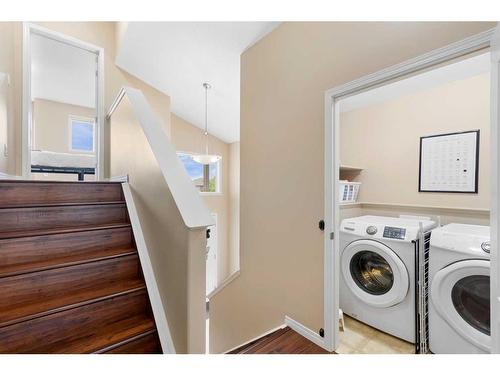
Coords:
pixel 385 169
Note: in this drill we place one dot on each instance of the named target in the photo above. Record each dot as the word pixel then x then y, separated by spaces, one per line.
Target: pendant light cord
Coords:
pixel 206 117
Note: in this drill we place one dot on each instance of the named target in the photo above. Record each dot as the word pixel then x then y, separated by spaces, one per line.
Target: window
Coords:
pixel 81 133
pixel 205 177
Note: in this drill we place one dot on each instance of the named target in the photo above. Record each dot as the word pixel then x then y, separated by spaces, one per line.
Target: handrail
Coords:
pixel 191 206
pixel 147 269
pixel 225 283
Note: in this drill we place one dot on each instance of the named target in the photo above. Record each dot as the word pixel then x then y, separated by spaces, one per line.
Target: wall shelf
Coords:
pixel 350 169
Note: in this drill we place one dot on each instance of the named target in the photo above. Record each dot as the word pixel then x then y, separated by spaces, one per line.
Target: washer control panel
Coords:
pixel 395 233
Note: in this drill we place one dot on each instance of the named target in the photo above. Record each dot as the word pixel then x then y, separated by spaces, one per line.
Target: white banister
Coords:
pixel 191 206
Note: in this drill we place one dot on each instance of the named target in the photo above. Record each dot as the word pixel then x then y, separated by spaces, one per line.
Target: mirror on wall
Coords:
pixel 63 110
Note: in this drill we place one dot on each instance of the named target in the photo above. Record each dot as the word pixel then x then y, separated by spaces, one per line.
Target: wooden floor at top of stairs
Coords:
pixel 281 341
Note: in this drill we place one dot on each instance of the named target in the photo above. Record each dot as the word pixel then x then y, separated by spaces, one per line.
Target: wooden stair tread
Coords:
pixel 44 232
pixel 92 328
pixel 78 258
pixel 19 193
pixel 61 204
pixel 67 301
pixel 145 343
pixel 109 337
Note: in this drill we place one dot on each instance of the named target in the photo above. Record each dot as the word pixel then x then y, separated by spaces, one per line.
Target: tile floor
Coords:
pixel 359 338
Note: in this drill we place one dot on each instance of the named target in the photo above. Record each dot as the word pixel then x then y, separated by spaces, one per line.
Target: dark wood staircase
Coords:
pixel 70 275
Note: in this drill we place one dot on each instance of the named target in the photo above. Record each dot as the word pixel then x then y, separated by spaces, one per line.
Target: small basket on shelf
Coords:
pixel 348 191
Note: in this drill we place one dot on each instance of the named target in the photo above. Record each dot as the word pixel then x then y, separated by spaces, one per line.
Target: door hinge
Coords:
pixel 332 235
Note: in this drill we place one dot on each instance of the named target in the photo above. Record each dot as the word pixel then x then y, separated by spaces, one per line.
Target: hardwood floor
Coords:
pixel 282 341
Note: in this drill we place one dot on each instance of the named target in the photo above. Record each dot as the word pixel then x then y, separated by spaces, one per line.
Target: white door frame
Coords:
pixel 28 30
pixel 495 187
pixel 330 341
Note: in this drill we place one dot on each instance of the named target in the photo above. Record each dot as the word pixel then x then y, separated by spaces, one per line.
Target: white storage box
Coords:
pixel 348 191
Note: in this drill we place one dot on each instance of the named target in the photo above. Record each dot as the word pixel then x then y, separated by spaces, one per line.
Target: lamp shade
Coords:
pixel 206 159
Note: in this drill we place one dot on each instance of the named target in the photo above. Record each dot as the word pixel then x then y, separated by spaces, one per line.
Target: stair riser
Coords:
pixel 25 193
pixel 23 219
pixel 47 285
pixel 37 335
pixel 26 250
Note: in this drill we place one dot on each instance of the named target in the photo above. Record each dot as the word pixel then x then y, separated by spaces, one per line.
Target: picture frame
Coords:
pixel 449 163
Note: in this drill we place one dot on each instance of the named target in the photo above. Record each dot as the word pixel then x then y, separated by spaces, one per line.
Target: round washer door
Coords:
pixel 460 293
pixel 374 273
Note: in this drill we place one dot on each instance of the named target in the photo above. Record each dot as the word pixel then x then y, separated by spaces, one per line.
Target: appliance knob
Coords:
pixel 371 230
pixel 486 246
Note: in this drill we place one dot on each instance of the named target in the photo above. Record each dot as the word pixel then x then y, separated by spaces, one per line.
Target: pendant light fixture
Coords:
pixel 206 158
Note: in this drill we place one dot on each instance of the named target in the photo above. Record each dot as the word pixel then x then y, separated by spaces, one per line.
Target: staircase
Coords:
pixel 70 274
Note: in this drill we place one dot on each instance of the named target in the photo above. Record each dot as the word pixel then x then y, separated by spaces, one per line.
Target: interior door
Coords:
pixel 212 258
pixel 495 209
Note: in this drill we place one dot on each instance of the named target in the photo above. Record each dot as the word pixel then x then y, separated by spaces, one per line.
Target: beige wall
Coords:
pixel 101 34
pixel 283 79
pixel 188 138
pixel 51 124
pixel 384 140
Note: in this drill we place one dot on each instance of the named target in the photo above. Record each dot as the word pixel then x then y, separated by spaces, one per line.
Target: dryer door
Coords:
pixel 460 293
pixel 374 273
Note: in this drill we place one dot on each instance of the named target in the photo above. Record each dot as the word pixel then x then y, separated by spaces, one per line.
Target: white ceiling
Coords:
pixel 177 57
pixel 453 72
pixel 62 73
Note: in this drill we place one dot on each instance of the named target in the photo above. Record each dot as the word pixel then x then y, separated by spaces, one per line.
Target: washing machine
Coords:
pixel 459 276
pixel 377 262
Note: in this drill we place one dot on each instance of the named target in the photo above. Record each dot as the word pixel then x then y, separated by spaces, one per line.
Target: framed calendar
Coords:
pixel 449 163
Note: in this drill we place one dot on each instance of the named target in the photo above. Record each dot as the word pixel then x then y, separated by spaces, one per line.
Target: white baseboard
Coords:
pixel 256 338
pixel 306 332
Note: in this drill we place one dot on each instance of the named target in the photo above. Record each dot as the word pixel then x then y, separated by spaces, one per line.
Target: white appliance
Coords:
pixel 459 275
pixel 377 264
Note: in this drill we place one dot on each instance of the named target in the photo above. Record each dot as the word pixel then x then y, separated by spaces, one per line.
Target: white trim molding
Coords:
pixel 331 209
pixel 304 331
pixel 159 311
